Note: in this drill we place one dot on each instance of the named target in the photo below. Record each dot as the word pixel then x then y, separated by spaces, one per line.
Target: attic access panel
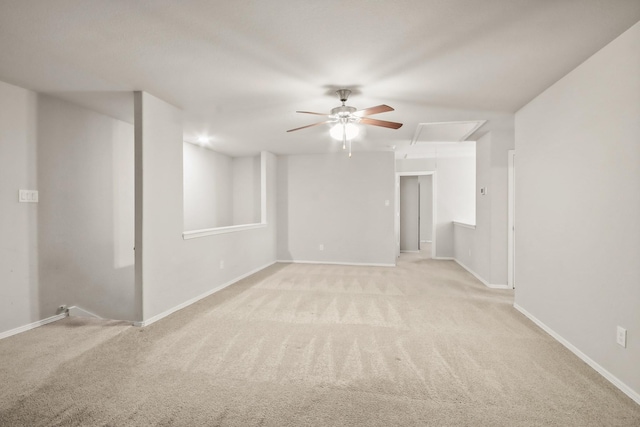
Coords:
pixel 445 131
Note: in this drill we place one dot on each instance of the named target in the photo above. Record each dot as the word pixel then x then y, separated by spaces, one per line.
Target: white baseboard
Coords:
pixel 477 276
pixel 410 252
pixel 75 311
pixel 32 325
pixel 187 303
pixel 634 395
pixel 444 258
pixel 495 286
pixel 362 264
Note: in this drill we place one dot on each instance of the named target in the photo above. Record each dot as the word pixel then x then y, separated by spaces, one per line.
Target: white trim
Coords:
pixel 425 241
pixel 75 311
pixel 263 187
pixel 477 276
pixel 360 264
pixel 194 234
pixel 220 230
pixel 420 126
pixel 597 367
pixel 443 258
pixel 199 297
pixel 464 225
pixel 421 173
pixel 494 286
pixel 396 216
pixel 33 325
pixel 511 215
pixel 434 210
pixel 409 252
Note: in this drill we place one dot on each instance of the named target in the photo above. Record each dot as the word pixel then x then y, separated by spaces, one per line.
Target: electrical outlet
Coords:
pixel 321 247
pixel 221 264
pixel 621 336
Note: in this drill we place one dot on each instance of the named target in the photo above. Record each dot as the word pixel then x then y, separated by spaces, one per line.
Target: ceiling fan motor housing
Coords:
pixel 345 114
pixel 342 111
pixel 343 94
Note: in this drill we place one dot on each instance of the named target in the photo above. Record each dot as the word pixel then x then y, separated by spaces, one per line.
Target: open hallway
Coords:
pixel 298 344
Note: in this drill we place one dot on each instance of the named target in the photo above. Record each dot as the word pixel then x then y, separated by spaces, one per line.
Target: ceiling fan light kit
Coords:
pixel 344 120
pixel 348 130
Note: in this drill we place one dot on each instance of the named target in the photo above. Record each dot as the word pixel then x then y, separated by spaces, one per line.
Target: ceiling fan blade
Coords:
pixel 373 110
pixel 311 112
pixel 383 123
pixel 308 126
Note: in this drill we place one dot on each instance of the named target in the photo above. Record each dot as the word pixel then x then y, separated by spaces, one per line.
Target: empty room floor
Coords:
pixel 425 250
pixel 421 344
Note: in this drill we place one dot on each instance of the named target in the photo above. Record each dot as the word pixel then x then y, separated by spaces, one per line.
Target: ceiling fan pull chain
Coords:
pixel 344 136
pixel 349 148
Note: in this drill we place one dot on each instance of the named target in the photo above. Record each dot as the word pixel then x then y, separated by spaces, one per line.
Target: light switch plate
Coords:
pixel 28 196
pixel 621 336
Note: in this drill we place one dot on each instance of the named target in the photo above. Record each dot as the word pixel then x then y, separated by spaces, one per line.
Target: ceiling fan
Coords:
pixel 344 119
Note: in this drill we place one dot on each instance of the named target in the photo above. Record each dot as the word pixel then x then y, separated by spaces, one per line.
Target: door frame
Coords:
pixel 433 209
pixel 511 230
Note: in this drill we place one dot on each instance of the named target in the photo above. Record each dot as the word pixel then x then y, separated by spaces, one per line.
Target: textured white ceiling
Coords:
pixel 240 69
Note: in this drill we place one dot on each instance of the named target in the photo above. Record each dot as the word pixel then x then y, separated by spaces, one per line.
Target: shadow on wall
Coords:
pixel 85 164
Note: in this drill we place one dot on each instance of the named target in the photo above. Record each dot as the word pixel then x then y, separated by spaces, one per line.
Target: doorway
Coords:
pixel 415 212
pixel 409 214
pixel 425 200
pixel 511 230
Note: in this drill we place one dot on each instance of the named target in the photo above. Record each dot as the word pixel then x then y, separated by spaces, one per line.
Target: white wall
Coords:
pixel 409 214
pixel 455 193
pixel 208 195
pixel 578 207
pixel 75 246
pixel 464 244
pixel 484 249
pixel 339 202
pixel 86 210
pixel 219 190
pixel 19 296
pixel 246 190
pixel 171 271
pixel 480 258
pixel 426 207
pixel 501 142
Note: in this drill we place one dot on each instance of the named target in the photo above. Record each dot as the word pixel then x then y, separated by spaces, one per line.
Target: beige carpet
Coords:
pixel 312 345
